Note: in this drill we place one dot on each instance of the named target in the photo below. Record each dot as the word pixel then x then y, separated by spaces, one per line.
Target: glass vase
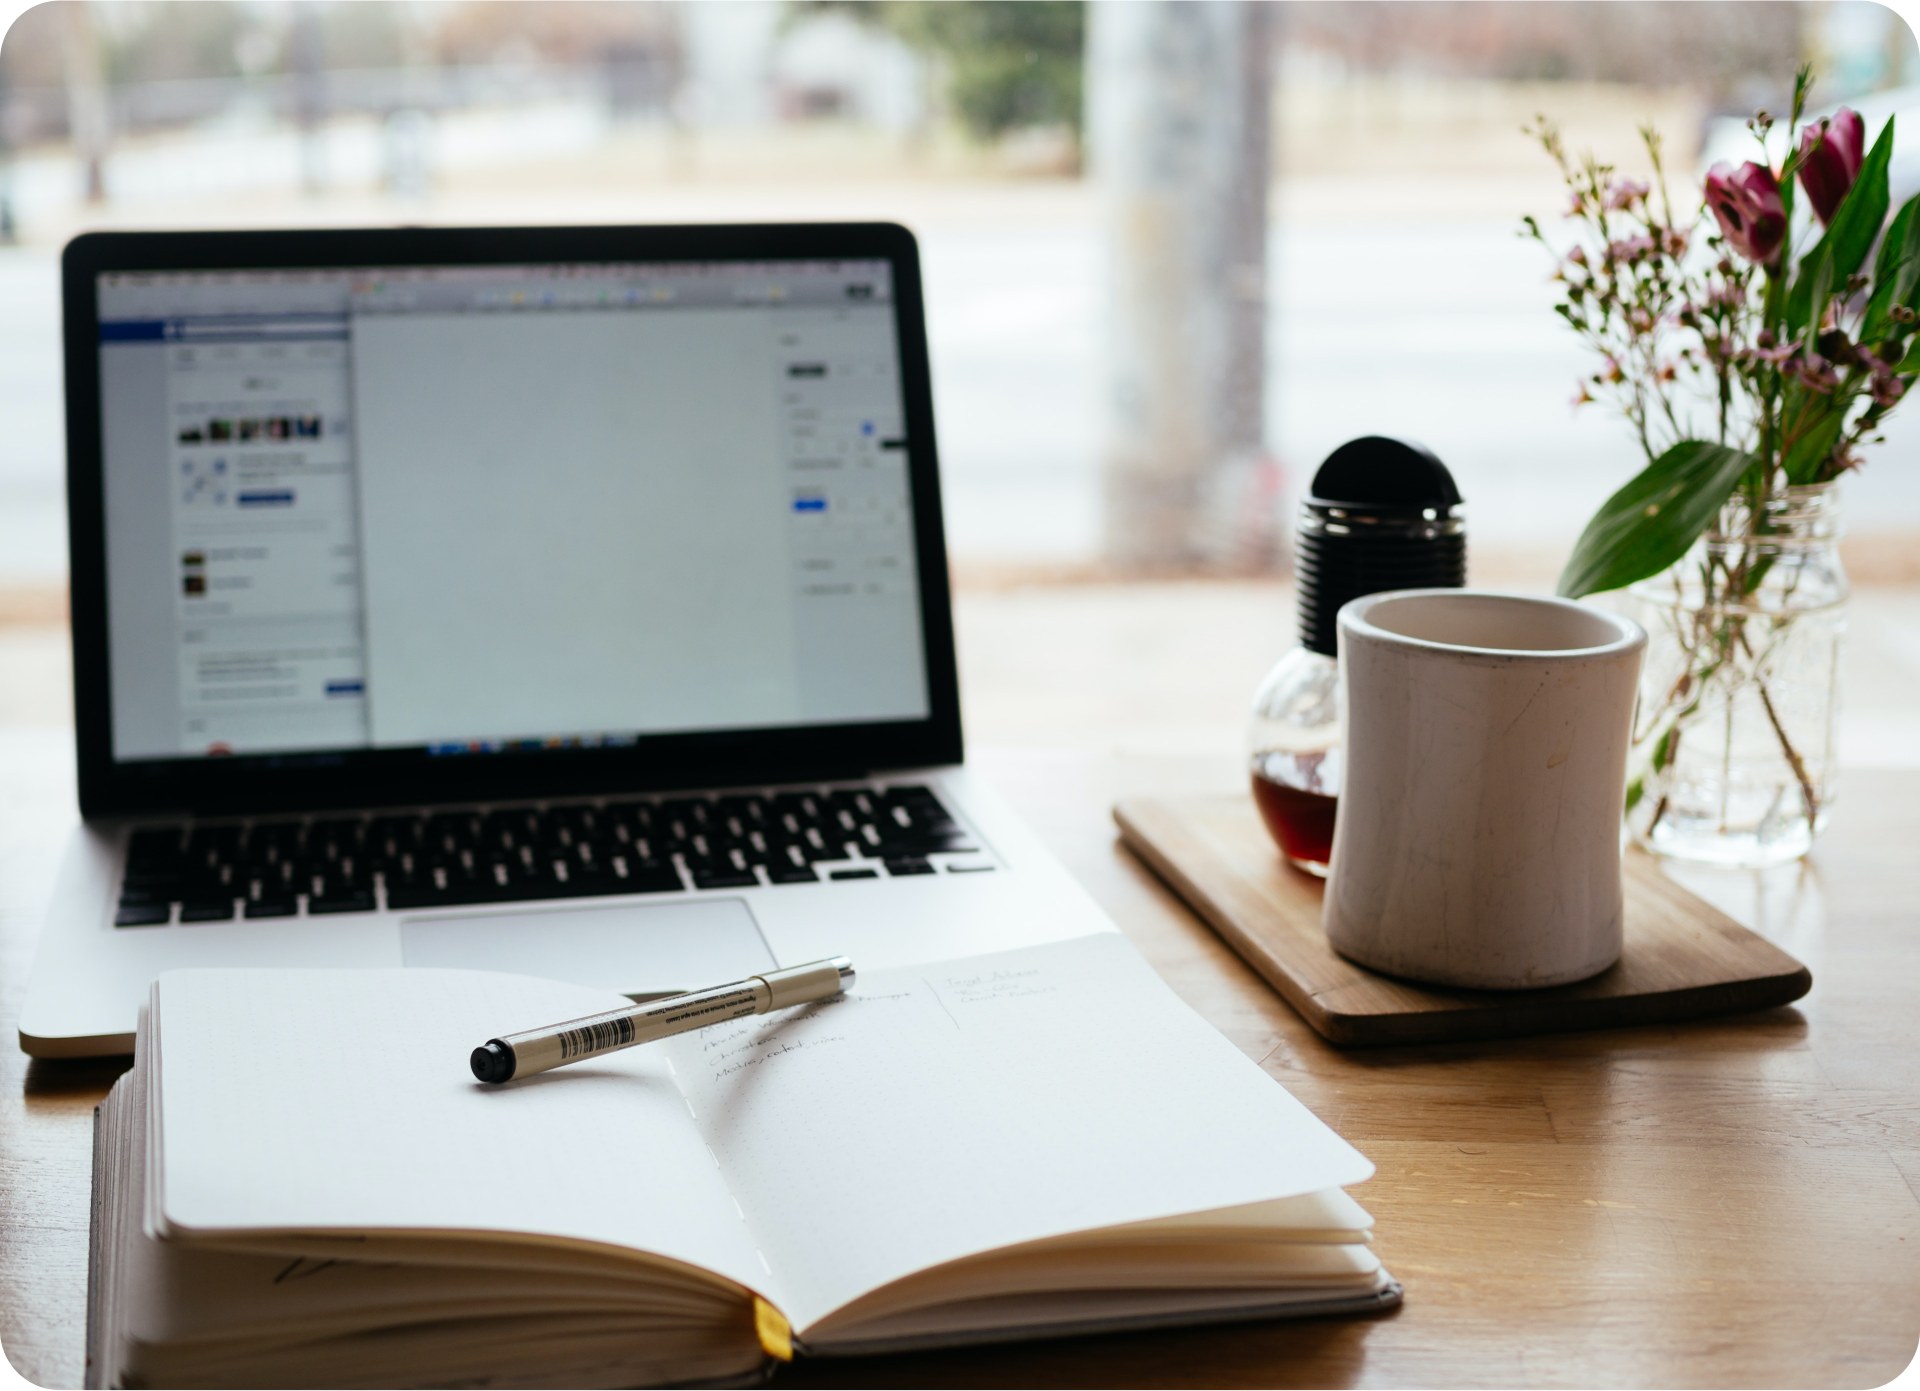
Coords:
pixel 1294 740
pixel 1734 738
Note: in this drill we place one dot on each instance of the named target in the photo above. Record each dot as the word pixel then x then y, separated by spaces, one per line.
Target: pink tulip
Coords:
pixel 1830 151
pixel 1746 202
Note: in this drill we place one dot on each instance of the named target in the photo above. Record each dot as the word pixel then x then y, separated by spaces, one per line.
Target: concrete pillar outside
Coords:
pixel 1178 122
pixel 729 63
pixel 89 119
pixel 307 48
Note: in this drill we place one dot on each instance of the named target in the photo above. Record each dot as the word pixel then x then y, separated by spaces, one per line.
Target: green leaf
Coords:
pixel 1822 288
pixel 1856 222
pixel 1648 524
pixel 1819 427
pixel 1896 270
pixel 1663 751
pixel 1909 364
pixel 1900 243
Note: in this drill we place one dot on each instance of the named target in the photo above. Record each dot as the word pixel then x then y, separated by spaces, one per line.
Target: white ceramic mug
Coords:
pixel 1477 841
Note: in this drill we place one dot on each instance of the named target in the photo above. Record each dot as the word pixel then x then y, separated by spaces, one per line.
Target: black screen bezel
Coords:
pixel 402 777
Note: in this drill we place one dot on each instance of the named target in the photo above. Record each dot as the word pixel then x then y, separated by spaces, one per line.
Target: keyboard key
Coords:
pixel 792 852
pixel 636 817
pixel 207 910
pixel 148 889
pixel 449 834
pixel 751 812
pixel 272 907
pixel 900 867
pixel 911 821
pixel 695 812
pixel 802 808
pixel 653 878
pixel 409 894
pixel 816 846
pixel 142 914
pixel 202 883
pixel 509 830
pixel 220 838
pixel 338 830
pixel 211 849
pixel 582 824
pixel 155 848
pixel 790 874
pixel 853 874
pixel 341 903
pixel 390 837
pixel 274 840
pixel 340 891
pixel 724 878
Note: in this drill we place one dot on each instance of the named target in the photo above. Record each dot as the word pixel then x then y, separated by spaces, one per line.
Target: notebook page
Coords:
pixel 942 1111
pixel 315 1099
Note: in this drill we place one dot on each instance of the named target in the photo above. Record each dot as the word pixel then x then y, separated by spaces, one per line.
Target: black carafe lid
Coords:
pixel 1383 514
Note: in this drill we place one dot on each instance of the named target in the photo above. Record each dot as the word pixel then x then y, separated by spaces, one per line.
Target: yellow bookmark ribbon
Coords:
pixel 776 1334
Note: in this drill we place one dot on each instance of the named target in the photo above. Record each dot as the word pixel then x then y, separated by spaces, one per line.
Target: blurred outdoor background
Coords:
pixel 1173 256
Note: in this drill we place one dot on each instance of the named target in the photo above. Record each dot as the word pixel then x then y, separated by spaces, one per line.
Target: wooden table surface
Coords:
pixel 1725 1203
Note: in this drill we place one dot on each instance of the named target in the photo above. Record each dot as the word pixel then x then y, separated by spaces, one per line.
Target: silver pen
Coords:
pixel 536 1050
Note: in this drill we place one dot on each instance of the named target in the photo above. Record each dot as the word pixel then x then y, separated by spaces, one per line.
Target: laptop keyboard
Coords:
pixel 277 868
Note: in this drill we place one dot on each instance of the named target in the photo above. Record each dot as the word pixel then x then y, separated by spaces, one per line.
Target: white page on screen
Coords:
pixel 572 522
pixel 946 1110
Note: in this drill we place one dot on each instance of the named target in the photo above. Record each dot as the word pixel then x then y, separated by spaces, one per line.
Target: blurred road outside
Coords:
pixel 1401 302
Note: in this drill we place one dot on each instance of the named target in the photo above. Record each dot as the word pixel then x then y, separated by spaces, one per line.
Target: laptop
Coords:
pixel 566 601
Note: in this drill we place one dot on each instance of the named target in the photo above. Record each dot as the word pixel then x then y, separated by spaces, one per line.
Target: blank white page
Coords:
pixel 942 1111
pixel 318 1100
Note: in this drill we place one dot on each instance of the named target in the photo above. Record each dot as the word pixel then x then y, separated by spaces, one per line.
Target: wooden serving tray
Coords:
pixel 1684 958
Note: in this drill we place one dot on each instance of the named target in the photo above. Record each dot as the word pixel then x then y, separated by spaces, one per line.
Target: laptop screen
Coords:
pixel 485 509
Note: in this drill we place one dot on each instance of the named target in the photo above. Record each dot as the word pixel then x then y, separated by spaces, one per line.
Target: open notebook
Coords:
pixel 300 1182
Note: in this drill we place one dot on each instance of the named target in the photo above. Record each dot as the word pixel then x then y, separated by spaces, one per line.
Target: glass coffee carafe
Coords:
pixel 1382 514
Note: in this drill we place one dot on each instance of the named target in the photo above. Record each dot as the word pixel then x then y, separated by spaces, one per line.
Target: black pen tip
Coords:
pixel 493 1061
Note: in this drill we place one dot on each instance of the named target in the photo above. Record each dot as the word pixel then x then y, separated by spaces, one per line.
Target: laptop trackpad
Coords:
pixel 636 948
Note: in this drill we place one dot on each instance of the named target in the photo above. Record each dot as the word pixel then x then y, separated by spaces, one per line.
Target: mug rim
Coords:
pixel 1352 620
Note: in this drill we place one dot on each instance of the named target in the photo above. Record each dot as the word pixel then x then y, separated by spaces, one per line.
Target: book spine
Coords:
pixel 94 1374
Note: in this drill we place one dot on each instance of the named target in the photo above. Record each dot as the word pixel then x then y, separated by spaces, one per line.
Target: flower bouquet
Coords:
pixel 1752 381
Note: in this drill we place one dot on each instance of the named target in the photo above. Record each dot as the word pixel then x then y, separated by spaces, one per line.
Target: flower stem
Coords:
pixel 1793 756
pixel 1794 761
